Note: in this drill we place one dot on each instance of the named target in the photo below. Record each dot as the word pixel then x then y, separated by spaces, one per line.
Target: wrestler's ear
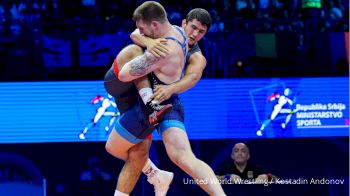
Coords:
pixel 155 24
pixel 184 22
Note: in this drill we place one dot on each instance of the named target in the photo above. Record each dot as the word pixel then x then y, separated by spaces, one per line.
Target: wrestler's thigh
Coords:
pixel 118 146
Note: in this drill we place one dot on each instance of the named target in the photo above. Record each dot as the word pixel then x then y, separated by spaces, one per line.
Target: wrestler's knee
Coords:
pixel 109 148
pixel 128 53
pixel 181 157
pixel 135 49
pixel 139 156
pixel 112 150
pixel 139 152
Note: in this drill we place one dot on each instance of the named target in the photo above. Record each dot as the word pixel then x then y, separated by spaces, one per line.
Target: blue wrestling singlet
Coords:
pixel 125 94
pixel 175 118
pixel 195 48
pixel 133 125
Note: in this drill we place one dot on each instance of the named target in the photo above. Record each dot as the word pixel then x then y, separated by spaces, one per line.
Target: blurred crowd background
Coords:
pixel 44 40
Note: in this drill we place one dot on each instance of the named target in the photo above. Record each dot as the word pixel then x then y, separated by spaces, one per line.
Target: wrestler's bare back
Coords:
pixel 168 69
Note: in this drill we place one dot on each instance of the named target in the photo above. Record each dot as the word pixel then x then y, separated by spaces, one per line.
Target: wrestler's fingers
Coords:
pixel 163 41
pixel 163 47
pixel 158 95
pixel 157 99
pixel 160 52
pixel 155 94
pixel 156 89
pixel 155 54
pixel 163 52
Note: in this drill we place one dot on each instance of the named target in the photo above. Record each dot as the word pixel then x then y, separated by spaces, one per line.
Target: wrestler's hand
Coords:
pixel 162 93
pixel 158 47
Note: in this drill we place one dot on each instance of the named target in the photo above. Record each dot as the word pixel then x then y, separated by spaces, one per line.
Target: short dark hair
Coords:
pixel 201 15
pixel 150 11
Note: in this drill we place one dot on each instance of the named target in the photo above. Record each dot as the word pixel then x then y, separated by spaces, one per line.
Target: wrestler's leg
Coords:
pixel 113 85
pixel 134 155
pixel 179 151
pixel 128 53
pixel 135 160
pixel 143 85
pixel 117 146
pixel 160 179
pixel 156 110
pixel 130 173
pixel 115 88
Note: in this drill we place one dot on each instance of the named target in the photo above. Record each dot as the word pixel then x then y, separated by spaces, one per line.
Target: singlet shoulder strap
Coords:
pixel 182 44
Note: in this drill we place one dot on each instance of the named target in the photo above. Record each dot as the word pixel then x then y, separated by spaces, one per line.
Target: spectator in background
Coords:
pixel 90 10
pixel 334 12
pixel 277 9
pixel 246 9
pixel 94 172
pixel 263 4
pixel 292 8
pixel 16 10
pixel 174 15
pixel 311 10
pixel 94 181
pixel 240 169
pixel 227 12
pixel 53 11
pixel 263 9
pixel 241 4
pixel 2 18
pixel 217 25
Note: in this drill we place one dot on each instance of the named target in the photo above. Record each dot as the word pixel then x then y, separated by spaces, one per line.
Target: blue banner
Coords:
pixel 214 109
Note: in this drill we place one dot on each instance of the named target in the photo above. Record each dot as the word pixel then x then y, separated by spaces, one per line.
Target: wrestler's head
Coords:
pixel 149 18
pixel 196 25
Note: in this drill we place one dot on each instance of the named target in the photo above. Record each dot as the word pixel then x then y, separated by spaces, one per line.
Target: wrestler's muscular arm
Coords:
pixel 138 67
pixel 148 62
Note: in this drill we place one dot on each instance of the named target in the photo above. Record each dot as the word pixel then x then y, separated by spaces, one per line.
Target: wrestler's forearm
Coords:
pixel 139 39
pixel 138 67
pixel 193 73
pixel 186 83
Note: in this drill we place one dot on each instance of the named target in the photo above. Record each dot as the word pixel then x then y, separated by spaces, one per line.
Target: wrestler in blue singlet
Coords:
pixel 195 48
pixel 133 125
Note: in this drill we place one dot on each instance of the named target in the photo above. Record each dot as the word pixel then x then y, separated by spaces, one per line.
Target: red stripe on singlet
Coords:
pixel 115 67
pixel 149 137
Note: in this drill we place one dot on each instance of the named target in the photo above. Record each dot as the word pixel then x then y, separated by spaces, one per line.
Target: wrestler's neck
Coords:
pixel 166 29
